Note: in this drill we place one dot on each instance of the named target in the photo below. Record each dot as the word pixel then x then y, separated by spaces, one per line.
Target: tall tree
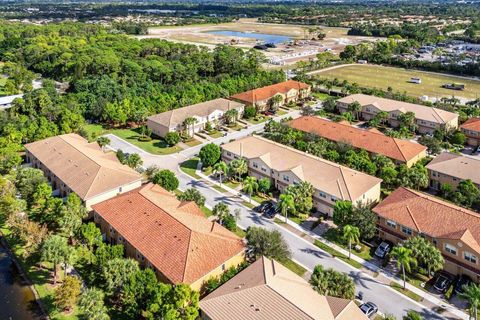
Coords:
pixel 54 250
pixel 192 194
pixel 285 204
pixel 351 234
pixel 209 154
pixel 472 294
pixel 405 260
pixel 220 168
pixel 250 185
pixel 116 272
pixel 332 283
pixel 66 295
pixel 92 305
pixel 426 254
pixel 220 211
pixel 270 244
pixel 166 179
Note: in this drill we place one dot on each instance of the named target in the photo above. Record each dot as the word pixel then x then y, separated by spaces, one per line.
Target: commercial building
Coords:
pixel 286 166
pixel 450 168
pixel 172 237
pixel 72 164
pixel 471 128
pixel 427 119
pixel 373 141
pixel 455 231
pixel 262 98
pixel 267 290
pixel 212 112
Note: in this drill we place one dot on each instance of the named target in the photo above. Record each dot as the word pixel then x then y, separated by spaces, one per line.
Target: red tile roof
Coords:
pixel 175 237
pixel 429 215
pixel 370 140
pixel 472 124
pixel 268 92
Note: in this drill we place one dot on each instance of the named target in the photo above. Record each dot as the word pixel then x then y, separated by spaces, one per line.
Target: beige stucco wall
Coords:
pixel 112 193
pixel 157 129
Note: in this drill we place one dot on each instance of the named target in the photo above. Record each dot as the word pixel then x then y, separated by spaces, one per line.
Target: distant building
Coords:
pixel 261 98
pixel 428 119
pixel 72 164
pixel 453 230
pixel 373 141
pixel 452 168
pixel 212 111
pixel 285 166
pixel 267 290
pixel 172 237
pixel 471 128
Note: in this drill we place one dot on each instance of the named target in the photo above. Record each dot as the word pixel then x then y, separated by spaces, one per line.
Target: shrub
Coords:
pixel 230 223
pixel 209 154
pixel 144 138
pixel 172 138
pixel 166 179
pixel 250 112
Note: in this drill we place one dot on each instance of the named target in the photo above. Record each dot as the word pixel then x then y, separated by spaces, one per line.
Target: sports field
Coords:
pixel 383 77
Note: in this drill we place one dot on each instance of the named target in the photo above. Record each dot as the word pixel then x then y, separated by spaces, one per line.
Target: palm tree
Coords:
pixel 220 211
pixel 355 107
pixel 250 185
pixel 231 116
pixel 190 122
pixel 220 168
pixel 472 294
pixel 238 167
pixel 285 204
pixel 405 260
pixel 102 142
pixel 351 234
pixel 275 101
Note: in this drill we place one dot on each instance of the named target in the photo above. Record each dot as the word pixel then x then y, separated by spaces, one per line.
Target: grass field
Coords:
pixel 155 146
pixel 190 168
pixel 383 77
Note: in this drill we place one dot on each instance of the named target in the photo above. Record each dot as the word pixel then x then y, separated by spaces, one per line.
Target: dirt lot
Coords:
pixel 286 53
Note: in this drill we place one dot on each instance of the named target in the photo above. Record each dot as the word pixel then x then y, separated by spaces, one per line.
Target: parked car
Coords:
pixel 462 282
pixel 264 206
pixel 270 45
pixel 369 308
pixel 443 281
pixel 270 213
pixel 383 249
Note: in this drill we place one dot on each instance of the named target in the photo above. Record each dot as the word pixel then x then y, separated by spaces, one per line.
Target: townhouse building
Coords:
pixel 427 119
pixel 212 112
pixel 285 166
pixel 262 98
pixel 376 143
pixel 450 168
pixel 72 164
pixel 453 230
pixel 471 128
pixel 171 237
pixel 267 290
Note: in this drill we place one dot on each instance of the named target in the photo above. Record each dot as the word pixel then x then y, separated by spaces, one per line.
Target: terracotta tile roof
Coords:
pixel 82 166
pixel 265 93
pixel 267 290
pixel 177 116
pixel 429 215
pixel 421 112
pixel 334 179
pixel 372 141
pixel 456 165
pixel 174 236
pixel 472 124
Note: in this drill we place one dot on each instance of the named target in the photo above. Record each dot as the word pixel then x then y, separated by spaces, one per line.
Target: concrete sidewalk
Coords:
pixel 386 277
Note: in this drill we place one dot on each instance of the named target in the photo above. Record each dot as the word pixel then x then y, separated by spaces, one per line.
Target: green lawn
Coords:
pixel 240 232
pixel 235 127
pixel 216 134
pixel 218 188
pixel 320 96
pixel 383 77
pixel 231 184
pixel 258 119
pixel 406 292
pixel 337 254
pixel 192 142
pixel 190 167
pixel 335 236
pixel 155 146
pixel 293 266
pixel 248 204
pixel 206 211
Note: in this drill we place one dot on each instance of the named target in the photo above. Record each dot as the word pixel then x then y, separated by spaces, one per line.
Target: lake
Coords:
pixel 267 38
pixel 17 301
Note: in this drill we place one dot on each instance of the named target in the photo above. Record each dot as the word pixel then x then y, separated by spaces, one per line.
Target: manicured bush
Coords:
pixel 172 138
pixel 166 179
pixel 209 154
pixel 250 112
